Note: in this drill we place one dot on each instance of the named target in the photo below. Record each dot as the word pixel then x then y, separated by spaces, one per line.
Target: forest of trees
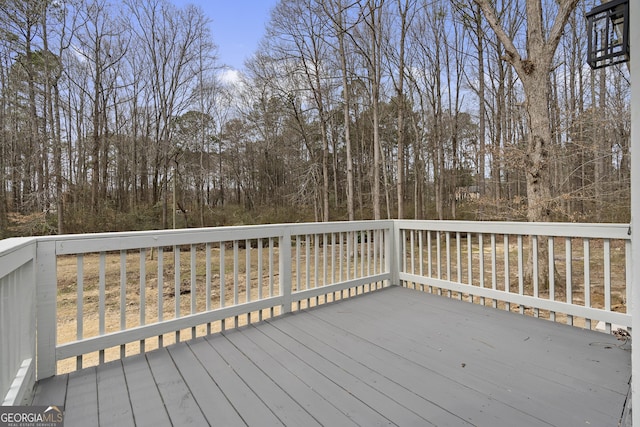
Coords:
pixel 118 116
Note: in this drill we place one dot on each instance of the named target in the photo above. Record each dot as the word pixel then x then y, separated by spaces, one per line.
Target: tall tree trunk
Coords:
pixel 480 179
pixel 534 70
pixel 375 27
pixel 402 11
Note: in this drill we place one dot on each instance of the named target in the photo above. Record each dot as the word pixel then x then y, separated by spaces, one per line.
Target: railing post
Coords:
pixel 285 270
pixel 46 291
pixel 634 19
pixel 393 246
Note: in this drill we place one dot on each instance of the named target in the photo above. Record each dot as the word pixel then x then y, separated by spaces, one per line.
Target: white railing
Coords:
pixel 17 319
pixel 487 262
pixel 97 297
pixel 124 293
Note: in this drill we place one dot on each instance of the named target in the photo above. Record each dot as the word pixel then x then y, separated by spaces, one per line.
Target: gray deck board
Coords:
pixel 283 405
pixel 81 404
pixel 252 410
pixel 313 402
pixel 344 402
pixel 391 357
pixel 146 402
pixel 114 405
pixel 177 398
pixel 483 374
pixel 206 392
pixel 51 391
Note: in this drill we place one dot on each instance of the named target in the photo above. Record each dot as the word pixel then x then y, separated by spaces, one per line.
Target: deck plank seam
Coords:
pixel 391 398
pixel 269 322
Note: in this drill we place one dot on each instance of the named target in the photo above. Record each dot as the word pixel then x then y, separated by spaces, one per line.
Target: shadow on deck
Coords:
pixel 393 356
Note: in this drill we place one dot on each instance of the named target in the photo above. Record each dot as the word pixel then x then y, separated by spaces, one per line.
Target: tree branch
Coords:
pixel 512 55
pixel 565 8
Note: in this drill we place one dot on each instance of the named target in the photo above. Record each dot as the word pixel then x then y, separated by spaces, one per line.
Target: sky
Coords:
pixel 237 26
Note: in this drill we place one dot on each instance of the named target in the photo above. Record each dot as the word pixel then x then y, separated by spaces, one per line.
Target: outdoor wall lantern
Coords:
pixel 608 27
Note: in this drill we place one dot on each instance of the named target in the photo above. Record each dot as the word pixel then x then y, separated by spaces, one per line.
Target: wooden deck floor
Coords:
pixel 391 357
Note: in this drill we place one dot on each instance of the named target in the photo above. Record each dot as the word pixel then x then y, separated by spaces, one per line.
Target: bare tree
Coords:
pixel 534 68
pixel 337 11
pixel 170 37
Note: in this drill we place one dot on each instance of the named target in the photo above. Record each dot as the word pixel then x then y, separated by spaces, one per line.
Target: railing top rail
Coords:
pixel 563 229
pixel 97 242
pixel 14 243
pixel 15 252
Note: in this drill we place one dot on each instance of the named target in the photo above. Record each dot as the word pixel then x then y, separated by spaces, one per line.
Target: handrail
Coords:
pixel 134 291
pixel 17 319
pixel 488 261
pixel 190 280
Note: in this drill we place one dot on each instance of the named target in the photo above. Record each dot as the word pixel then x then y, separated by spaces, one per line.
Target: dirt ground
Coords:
pixel 123 309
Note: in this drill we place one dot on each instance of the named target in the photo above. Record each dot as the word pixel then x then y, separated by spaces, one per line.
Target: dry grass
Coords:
pixel 247 280
pixel 254 281
pixel 116 320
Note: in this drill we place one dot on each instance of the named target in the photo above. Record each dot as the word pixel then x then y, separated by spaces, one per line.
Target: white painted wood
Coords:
pixel 192 278
pixel 340 256
pixel 333 257
pixel 284 270
pixel 349 253
pixel 448 244
pixel 261 269
pixel 494 279
pixel 137 333
pixel 525 300
pixel 271 276
pixel 176 280
pixel 382 246
pixel 411 250
pixel 207 278
pixel 536 282
pixel 561 229
pixel 494 269
pixel 236 273
pixel 325 260
pixel 340 286
pixel 552 275
pixel 628 275
pixel 223 283
pixel 569 282
pixel 458 257
pixel 79 304
pixel 439 255
pixel 307 265
pixel 160 284
pixel 123 290
pixel 388 255
pixel 481 263
pixel 420 253
pixel 17 329
pixel 143 294
pixel 429 251
pixel 98 242
pixel 607 279
pixel 316 261
pixel 469 259
pixel 21 388
pixel 520 270
pixel 247 270
pixel 507 275
pixel 15 252
pixel 634 277
pixel 46 280
pixel 80 297
pixel 587 278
